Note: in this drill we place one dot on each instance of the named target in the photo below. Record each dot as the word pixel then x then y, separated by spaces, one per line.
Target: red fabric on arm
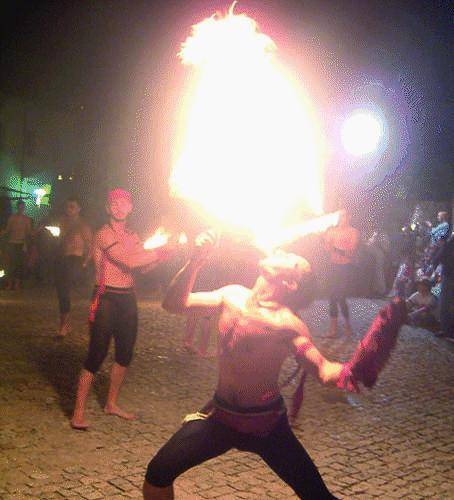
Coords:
pixel 374 350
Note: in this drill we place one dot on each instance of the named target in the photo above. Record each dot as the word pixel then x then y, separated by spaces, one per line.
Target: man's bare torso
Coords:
pixel 109 272
pixel 253 341
pixel 73 236
pixel 19 227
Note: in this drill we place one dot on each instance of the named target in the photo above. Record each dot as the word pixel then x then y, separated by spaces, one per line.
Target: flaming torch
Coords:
pixel 269 242
pixel 249 149
pixel 161 237
pixel 54 231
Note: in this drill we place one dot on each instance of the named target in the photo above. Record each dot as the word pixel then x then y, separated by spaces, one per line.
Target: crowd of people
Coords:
pixel 258 327
pixel 424 274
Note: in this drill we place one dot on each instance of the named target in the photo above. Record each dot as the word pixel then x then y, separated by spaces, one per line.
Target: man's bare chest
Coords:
pixel 242 330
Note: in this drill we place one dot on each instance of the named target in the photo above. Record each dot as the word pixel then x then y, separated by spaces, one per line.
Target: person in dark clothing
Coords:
pixel 74 252
pixel 117 252
pixel 18 229
pixel 445 257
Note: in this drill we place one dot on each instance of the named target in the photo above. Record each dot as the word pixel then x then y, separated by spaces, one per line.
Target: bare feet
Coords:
pixel 79 424
pixel 118 412
pixel 206 355
pixel 190 348
pixel 64 329
pixel 333 324
pixel 332 333
pixel 348 330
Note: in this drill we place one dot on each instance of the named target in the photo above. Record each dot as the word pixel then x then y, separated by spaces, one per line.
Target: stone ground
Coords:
pixel 393 442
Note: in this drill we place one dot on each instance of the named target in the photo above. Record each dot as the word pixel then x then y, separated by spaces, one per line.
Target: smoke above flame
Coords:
pixel 248 149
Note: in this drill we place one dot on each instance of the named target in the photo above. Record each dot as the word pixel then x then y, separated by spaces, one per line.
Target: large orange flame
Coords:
pixel 249 148
pixel 161 237
pixel 158 239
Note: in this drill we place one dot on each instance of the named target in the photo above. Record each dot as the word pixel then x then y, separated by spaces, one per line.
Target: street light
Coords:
pixel 362 132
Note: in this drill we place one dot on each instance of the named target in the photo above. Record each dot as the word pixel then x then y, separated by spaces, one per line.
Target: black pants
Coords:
pixel 201 440
pixel 68 271
pixel 16 257
pixel 115 317
pixel 447 305
pixel 341 276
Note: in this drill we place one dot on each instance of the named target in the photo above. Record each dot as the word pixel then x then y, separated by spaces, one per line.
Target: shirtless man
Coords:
pixel 113 312
pixel 74 252
pixel 18 229
pixel 257 331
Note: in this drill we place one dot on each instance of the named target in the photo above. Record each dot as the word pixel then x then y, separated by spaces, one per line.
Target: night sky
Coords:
pixel 117 59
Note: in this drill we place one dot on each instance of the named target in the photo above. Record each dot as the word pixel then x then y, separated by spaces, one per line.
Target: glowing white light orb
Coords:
pixel 361 133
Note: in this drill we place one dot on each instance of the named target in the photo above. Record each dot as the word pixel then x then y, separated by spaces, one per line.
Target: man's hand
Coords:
pixel 346 380
pixel 168 250
pixel 204 245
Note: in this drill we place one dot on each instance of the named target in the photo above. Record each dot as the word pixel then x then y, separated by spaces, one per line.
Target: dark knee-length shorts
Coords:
pixel 116 316
pixel 200 440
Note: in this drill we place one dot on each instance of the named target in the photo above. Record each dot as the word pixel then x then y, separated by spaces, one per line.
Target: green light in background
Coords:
pixel 40 193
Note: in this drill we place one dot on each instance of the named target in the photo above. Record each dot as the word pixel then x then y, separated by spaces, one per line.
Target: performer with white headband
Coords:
pixel 113 311
pixel 258 329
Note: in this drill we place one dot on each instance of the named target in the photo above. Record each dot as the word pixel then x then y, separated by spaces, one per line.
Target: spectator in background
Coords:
pixel 403 282
pixel 378 246
pixel 18 230
pixel 5 211
pixel 422 305
pixel 441 231
pixel 342 243
pixel 445 257
pixel 436 280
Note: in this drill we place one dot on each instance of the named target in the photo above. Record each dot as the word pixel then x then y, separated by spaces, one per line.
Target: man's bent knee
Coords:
pixel 151 492
pixel 123 359
pixel 158 475
pixel 93 365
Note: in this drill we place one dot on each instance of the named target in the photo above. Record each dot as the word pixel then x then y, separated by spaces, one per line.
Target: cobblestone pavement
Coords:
pixel 393 442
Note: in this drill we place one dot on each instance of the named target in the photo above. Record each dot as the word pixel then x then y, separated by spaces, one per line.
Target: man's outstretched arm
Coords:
pixel 369 358
pixel 127 258
pixel 179 298
pixel 327 372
